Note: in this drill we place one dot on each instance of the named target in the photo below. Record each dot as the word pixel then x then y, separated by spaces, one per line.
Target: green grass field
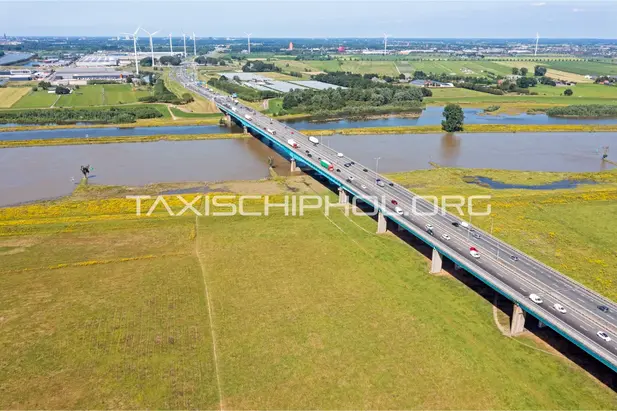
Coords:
pixel 547 96
pixel 101 95
pixel 36 99
pixel 585 67
pixel 91 95
pixel 103 309
pixel 183 114
pixel 122 94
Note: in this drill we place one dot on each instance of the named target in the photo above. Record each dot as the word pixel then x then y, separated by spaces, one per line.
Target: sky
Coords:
pixel 314 18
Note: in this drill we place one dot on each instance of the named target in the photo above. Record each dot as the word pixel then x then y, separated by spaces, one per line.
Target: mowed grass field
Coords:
pixel 85 96
pixel 36 99
pixel 10 95
pixel 101 95
pixel 547 96
pixel 551 71
pixel 103 309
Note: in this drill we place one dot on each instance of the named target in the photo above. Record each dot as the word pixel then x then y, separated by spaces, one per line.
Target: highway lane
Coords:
pixel 582 317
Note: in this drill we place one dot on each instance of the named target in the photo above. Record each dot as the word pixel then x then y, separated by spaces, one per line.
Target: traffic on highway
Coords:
pixel 581 315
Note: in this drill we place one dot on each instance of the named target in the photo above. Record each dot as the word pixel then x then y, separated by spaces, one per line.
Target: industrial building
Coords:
pixel 16 75
pixel 97 60
pixel 81 75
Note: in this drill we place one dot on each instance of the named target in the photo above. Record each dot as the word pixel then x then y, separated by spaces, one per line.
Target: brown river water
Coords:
pixel 34 173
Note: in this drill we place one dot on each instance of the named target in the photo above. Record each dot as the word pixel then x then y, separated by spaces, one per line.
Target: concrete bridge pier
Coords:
pixel 228 120
pixel 436 262
pixel 245 130
pixel 293 164
pixel 517 323
pixel 382 223
pixel 343 197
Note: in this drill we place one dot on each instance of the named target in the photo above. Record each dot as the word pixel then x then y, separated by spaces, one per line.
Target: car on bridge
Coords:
pixel 604 336
pixel 560 308
pixel 535 298
pixel 474 252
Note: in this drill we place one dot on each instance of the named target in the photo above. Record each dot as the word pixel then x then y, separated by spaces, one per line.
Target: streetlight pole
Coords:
pixel 377 165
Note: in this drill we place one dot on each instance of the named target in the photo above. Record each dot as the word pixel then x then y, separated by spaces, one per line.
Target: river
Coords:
pixel 430 116
pixel 33 173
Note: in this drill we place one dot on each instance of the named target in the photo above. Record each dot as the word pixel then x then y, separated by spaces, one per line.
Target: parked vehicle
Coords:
pixel 292 143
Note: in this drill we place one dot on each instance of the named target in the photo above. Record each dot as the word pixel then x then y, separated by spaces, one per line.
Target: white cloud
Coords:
pixel 538 4
pixel 577 10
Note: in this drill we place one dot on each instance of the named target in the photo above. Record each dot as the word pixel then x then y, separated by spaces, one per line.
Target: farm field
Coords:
pixel 122 94
pixel 36 99
pixel 459 68
pixel 551 72
pixel 295 65
pixel 91 95
pixel 10 95
pixel 101 95
pixel 580 91
pixel 360 67
pixel 587 67
pixel 547 97
pixel 119 303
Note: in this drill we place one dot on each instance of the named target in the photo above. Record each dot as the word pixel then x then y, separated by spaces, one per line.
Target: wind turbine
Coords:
pixel 184 38
pixel 194 45
pixel 171 47
pixel 385 43
pixel 248 36
pixel 537 40
pixel 134 35
pixel 151 46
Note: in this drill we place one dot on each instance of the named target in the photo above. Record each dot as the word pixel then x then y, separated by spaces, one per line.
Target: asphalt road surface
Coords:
pixel 502 266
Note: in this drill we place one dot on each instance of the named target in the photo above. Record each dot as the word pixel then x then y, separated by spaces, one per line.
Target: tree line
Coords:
pixel 259 66
pixel 211 61
pixel 310 100
pixel 590 110
pixel 112 115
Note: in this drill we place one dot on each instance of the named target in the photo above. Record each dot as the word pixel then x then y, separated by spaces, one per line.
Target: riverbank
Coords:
pixel 472 128
pixel 159 122
pixel 135 284
pixel 118 139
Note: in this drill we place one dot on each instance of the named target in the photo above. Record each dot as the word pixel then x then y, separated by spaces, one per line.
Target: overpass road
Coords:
pixel 501 266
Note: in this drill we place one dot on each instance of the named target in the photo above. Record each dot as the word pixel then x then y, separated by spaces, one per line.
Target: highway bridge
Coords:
pixel 505 269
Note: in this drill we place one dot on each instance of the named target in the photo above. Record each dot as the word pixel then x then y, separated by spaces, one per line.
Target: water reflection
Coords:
pixel 450 148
